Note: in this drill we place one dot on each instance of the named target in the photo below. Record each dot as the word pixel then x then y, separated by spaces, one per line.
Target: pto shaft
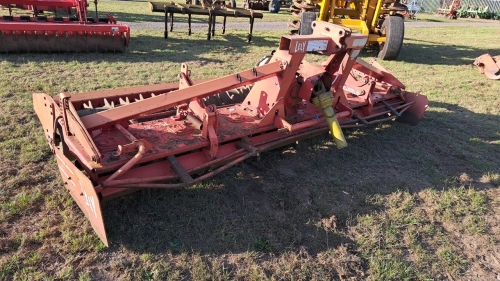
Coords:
pixel 324 101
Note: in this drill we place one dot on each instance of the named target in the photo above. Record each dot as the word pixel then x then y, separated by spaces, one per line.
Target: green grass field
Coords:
pixel 399 203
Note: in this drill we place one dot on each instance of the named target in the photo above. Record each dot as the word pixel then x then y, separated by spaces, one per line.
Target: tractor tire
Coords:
pixel 306 19
pixel 274 6
pixel 394 29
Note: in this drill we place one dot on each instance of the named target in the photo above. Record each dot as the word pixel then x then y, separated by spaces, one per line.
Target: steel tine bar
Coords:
pixel 170 99
pixel 388 106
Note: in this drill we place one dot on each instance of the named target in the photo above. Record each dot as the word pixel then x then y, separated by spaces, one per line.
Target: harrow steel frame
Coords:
pixel 114 142
pixel 211 11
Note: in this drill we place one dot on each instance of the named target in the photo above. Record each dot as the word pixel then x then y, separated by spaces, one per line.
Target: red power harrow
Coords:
pixel 114 142
pixel 74 33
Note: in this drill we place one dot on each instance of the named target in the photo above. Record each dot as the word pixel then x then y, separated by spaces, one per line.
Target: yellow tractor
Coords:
pixel 381 20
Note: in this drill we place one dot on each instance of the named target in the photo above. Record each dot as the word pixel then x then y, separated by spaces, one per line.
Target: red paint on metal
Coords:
pixel 166 137
pixel 82 191
pixel 61 33
pixel 489 66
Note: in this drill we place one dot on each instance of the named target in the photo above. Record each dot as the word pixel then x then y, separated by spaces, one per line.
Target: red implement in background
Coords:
pixel 114 142
pixel 489 66
pixel 74 33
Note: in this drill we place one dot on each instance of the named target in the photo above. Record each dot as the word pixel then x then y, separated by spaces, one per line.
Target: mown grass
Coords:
pixel 430 17
pixel 399 203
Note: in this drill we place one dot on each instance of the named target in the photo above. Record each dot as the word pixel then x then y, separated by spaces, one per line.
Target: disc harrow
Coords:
pixel 111 143
pixel 75 32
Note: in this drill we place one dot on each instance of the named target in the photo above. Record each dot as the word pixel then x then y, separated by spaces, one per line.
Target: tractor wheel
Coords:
pixel 274 6
pixel 394 30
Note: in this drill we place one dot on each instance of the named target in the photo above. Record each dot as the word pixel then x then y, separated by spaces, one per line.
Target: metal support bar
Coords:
pixel 248 147
pixel 388 106
pixel 362 120
pixel 179 170
pixel 171 22
pixel 250 29
pixel 209 24
pixel 170 99
pixel 224 25
pixel 213 24
pixel 165 33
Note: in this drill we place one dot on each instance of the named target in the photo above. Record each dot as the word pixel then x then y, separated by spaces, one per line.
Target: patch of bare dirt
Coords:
pixel 483 252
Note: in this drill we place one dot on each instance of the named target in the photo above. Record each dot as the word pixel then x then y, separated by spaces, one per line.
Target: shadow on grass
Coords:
pixel 286 200
pixel 147 48
pixel 432 53
pixel 129 17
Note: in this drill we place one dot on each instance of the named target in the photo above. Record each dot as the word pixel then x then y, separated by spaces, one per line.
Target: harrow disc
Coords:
pixel 25 43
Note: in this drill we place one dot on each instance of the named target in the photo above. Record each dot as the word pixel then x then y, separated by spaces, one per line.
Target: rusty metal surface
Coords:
pixel 170 99
pixel 44 3
pixel 166 136
pixel 83 192
pixel 76 33
pixel 212 12
pixel 489 66
pixel 199 10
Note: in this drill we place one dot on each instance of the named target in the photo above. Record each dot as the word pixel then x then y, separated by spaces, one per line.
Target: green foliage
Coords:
pixel 22 202
pixel 452 260
pixel 384 266
pixel 261 245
